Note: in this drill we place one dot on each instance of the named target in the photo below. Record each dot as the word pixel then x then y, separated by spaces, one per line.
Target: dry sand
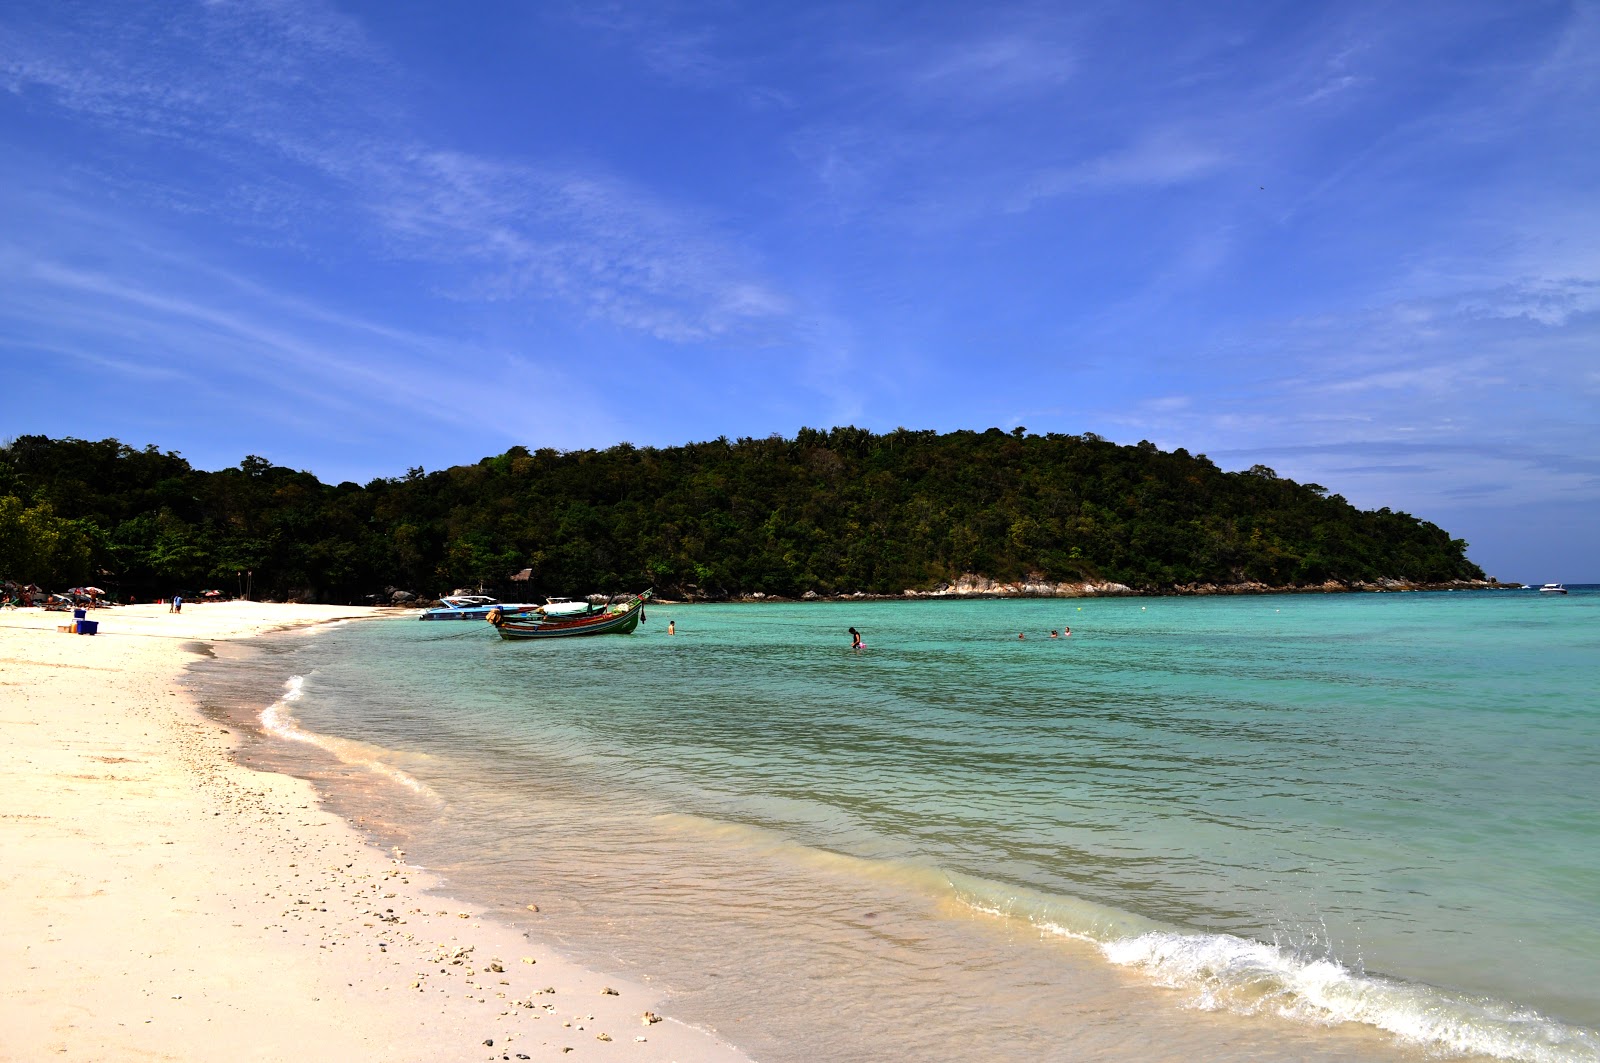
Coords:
pixel 160 902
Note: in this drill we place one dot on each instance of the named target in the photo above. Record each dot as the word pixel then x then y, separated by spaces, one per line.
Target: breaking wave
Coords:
pixel 1227 972
pixel 278 720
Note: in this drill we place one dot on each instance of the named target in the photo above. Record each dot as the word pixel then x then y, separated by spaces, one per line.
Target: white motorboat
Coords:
pixel 469 607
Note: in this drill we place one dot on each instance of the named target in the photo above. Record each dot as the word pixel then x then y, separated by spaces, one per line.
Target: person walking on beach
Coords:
pixel 177 604
pixel 855 639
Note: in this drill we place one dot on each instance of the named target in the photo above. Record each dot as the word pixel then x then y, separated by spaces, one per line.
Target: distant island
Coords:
pixel 828 513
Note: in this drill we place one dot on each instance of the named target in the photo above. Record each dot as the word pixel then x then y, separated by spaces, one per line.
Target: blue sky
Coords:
pixel 1359 243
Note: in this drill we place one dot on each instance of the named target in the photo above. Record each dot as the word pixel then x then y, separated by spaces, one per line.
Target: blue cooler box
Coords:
pixel 88 627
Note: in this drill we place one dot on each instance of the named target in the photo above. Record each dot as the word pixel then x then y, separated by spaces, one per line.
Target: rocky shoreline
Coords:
pixel 973 586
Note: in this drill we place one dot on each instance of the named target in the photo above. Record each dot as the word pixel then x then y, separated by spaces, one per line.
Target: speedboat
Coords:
pixel 564 608
pixel 1552 588
pixel 468 607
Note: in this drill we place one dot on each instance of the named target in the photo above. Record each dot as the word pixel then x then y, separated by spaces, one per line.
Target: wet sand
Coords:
pixel 160 902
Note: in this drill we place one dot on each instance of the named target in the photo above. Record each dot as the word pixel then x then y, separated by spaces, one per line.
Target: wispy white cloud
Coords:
pixel 309 25
pixel 1162 158
pixel 673 49
pixel 103 363
pixel 186 334
pixel 300 81
pixel 591 241
pixel 1568 68
pixel 702 51
pixel 1413 405
pixel 1337 227
pixel 198 76
pixel 1543 301
pixel 989 67
pixel 294 373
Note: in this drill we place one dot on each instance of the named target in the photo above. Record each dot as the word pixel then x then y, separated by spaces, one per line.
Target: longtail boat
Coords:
pixel 618 619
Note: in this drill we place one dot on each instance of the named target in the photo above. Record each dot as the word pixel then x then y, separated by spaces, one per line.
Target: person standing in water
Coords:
pixel 672 627
pixel 855 639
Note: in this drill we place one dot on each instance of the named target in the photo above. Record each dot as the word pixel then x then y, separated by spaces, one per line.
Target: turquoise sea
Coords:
pixel 1360 827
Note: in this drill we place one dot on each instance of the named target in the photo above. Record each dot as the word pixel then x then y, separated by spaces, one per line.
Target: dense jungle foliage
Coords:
pixel 831 511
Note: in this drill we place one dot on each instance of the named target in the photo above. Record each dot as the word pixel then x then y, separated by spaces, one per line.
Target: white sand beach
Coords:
pixel 160 902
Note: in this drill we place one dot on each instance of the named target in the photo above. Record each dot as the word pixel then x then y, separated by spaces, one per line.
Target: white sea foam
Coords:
pixel 1227 972
pixel 1241 975
pixel 278 719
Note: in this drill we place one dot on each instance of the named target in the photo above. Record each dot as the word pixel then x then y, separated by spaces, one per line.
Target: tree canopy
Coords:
pixel 831 511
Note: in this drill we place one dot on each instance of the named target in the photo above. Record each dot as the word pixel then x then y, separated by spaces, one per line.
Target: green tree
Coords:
pixel 36 546
pixel 840 509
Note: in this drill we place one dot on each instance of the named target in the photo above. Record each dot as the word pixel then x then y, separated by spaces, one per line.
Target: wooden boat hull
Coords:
pixel 527 627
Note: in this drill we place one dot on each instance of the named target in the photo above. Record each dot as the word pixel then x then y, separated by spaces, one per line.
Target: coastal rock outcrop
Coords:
pixel 971 585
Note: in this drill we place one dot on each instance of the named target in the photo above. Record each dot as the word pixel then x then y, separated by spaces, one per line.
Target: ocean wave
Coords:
pixel 278 719
pixel 1244 976
pixel 1222 972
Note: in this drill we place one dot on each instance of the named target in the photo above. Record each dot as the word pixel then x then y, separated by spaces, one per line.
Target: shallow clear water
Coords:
pixel 1342 826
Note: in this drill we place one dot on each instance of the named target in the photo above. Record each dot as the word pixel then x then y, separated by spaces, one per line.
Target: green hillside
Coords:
pixel 827 511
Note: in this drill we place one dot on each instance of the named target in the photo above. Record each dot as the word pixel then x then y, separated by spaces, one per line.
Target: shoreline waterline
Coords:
pixel 472 845
pixel 167 901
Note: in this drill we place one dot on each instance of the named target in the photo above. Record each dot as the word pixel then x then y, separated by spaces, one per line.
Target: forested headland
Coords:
pixel 831 512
